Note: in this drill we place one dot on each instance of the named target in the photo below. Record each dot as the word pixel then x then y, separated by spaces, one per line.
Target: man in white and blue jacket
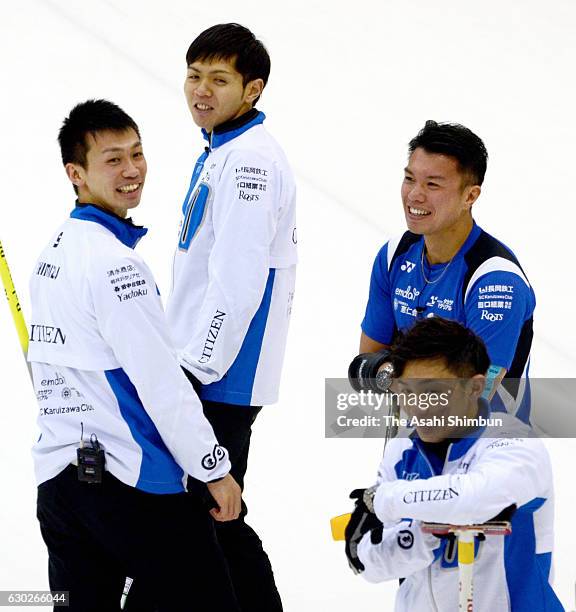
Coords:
pixel 121 428
pixel 234 270
pixel 462 465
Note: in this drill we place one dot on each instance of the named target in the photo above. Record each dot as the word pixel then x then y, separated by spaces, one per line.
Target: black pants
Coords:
pixel 98 534
pixel 249 566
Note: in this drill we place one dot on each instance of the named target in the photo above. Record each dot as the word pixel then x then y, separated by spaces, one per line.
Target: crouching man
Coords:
pixel 460 466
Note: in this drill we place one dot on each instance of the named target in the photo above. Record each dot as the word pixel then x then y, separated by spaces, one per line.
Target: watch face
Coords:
pixel 384 377
pixel 368 498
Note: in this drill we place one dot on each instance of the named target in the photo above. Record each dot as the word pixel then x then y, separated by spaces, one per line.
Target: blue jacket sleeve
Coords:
pixel 497 306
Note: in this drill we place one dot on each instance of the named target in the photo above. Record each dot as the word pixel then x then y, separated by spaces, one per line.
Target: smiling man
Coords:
pixel 445 265
pixel 102 177
pixel 120 426
pixel 234 270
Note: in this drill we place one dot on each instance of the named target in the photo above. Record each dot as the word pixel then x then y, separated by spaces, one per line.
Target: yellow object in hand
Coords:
pixel 338 526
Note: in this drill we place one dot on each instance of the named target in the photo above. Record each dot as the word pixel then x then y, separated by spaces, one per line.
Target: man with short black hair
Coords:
pixel 120 426
pixel 234 269
pixel 445 265
pixel 463 465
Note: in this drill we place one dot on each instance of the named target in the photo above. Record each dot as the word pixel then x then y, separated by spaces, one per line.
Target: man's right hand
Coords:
pixel 228 497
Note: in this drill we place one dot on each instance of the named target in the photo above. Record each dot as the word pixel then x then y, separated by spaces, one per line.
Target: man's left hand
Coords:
pixel 361 522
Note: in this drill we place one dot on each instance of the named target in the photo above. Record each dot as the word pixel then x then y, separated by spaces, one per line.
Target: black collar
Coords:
pixel 234 124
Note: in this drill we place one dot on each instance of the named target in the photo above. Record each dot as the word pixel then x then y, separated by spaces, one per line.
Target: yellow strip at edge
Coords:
pixel 13 301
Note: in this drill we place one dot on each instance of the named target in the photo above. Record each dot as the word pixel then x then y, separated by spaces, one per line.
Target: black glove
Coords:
pixel 363 372
pixel 504 515
pixel 362 521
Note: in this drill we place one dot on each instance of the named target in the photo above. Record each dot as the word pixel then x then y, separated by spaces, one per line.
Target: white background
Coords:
pixel 351 83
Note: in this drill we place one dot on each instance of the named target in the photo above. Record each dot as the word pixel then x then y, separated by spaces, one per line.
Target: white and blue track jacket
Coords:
pixel 479 477
pixel 103 363
pixel 235 265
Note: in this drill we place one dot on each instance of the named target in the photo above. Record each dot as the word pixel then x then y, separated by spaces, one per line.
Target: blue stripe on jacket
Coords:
pixel 236 385
pixel 159 472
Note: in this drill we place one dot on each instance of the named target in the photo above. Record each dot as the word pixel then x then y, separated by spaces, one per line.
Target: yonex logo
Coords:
pixel 408 266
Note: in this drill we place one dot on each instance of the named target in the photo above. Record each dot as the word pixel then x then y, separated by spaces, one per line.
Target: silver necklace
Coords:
pixel 427 280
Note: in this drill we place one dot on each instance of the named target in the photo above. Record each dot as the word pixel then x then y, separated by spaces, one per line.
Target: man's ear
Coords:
pixel 76 174
pixel 253 90
pixel 472 195
pixel 477 384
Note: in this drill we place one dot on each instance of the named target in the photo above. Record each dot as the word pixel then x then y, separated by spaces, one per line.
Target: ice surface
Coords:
pixel 351 84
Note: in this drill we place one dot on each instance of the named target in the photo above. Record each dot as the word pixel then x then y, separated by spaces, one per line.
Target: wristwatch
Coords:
pixel 368 497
